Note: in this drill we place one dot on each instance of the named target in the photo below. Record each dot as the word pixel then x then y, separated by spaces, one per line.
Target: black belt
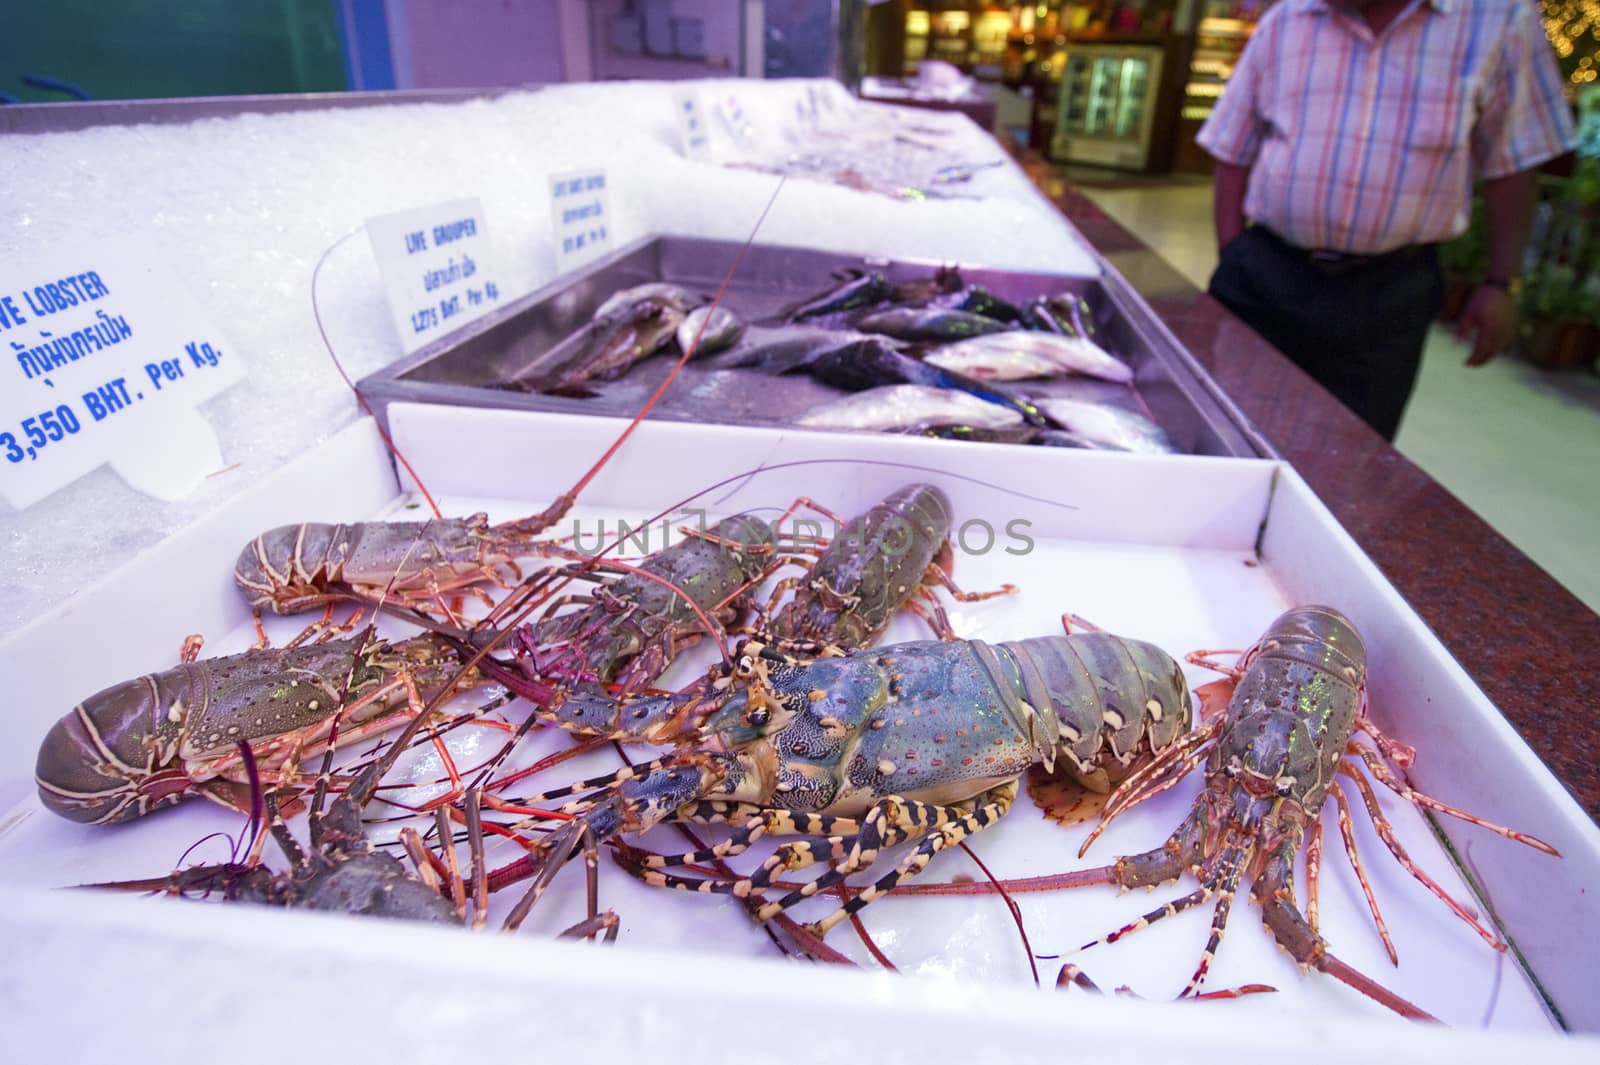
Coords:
pixel 1334 263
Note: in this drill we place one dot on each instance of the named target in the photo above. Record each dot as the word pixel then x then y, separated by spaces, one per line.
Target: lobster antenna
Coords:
pixel 716 300
pixel 1011 904
pixel 369 635
pixel 316 312
pixel 257 806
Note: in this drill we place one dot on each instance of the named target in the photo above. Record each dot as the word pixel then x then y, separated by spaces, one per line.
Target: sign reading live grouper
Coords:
pixel 105 351
pixel 436 268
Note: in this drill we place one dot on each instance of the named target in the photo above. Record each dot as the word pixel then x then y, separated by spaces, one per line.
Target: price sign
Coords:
pixel 109 354
pixel 436 268
pixel 734 117
pixel 692 134
pixel 580 208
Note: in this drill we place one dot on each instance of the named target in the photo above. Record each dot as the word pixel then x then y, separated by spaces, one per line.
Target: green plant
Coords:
pixel 1556 291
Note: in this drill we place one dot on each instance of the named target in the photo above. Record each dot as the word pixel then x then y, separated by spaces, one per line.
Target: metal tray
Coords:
pixel 477 365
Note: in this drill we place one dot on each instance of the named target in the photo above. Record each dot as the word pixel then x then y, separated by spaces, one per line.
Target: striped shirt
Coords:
pixel 1362 145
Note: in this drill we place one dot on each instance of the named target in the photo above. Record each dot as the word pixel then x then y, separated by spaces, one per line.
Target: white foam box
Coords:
pixel 1187 553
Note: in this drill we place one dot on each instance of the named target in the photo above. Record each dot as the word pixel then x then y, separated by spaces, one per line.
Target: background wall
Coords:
pixel 120 50
pixel 476 43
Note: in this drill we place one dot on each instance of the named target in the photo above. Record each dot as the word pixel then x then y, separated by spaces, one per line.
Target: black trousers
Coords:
pixel 1356 325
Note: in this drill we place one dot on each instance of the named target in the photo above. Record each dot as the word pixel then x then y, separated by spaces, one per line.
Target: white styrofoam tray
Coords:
pixel 1149 548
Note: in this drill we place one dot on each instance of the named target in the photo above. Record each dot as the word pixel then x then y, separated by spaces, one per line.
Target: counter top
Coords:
pixel 1530 644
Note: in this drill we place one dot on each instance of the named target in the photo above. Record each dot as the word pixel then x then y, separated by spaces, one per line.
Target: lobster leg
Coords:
pixel 767 822
pixel 559 846
pixel 1386 833
pixel 1122 801
pixel 480 884
pixel 458 885
pixel 604 925
pixel 1313 869
pixel 1273 892
pixel 617 776
pixel 1072 976
pixel 938 575
pixel 1401 754
pixel 931 611
pixel 891 820
pixel 421 860
pixel 1388 778
pixel 1161 766
pixel 1206 660
pixel 1229 862
pixel 1228 873
pixel 1347 830
pixel 997 802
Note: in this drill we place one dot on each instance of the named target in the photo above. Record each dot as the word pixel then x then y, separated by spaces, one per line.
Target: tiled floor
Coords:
pixel 1519 445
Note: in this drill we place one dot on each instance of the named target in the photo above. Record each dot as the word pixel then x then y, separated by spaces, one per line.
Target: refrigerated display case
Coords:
pixel 1218 43
pixel 1218 545
pixel 1107 105
pixel 1222 30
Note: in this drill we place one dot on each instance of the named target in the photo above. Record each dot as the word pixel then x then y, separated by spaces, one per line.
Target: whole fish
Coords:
pixel 975 299
pixel 1014 364
pixel 958 172
pixel 717 327
pixel 1041 316
pixel 619 306
pixel 871 362
pixel 785 348
pixel 1020 434
pixel 901 406
pixel 1075 309
pixel 865 290
pixel 1016 355
pixel 629 326
pixel 1110 426
pixel 928 323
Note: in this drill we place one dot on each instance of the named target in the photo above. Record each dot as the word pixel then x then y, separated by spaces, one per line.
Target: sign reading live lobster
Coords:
pixel 109 356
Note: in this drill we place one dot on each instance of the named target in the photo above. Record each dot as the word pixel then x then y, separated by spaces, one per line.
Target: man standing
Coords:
pixel 1350 134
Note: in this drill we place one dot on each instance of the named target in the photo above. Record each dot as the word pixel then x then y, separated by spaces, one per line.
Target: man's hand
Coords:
pixel 1488 319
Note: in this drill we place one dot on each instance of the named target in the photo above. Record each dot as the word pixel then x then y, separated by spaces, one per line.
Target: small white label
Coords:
pixel 436 267
pixel 580 208
pixel 691 125
pixel 733 115
pixel 107 349
pixel 812 108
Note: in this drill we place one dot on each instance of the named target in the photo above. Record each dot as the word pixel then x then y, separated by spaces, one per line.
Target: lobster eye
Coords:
pixel 1231 771
pixel 758 716
pixel 744 667
pixel 1285 786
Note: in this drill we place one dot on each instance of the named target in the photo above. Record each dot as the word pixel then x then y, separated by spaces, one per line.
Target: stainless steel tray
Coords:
pixel 478 365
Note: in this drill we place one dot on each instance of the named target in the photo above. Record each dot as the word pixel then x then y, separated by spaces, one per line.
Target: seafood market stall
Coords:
pixel 533 353
pixel 1179 552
